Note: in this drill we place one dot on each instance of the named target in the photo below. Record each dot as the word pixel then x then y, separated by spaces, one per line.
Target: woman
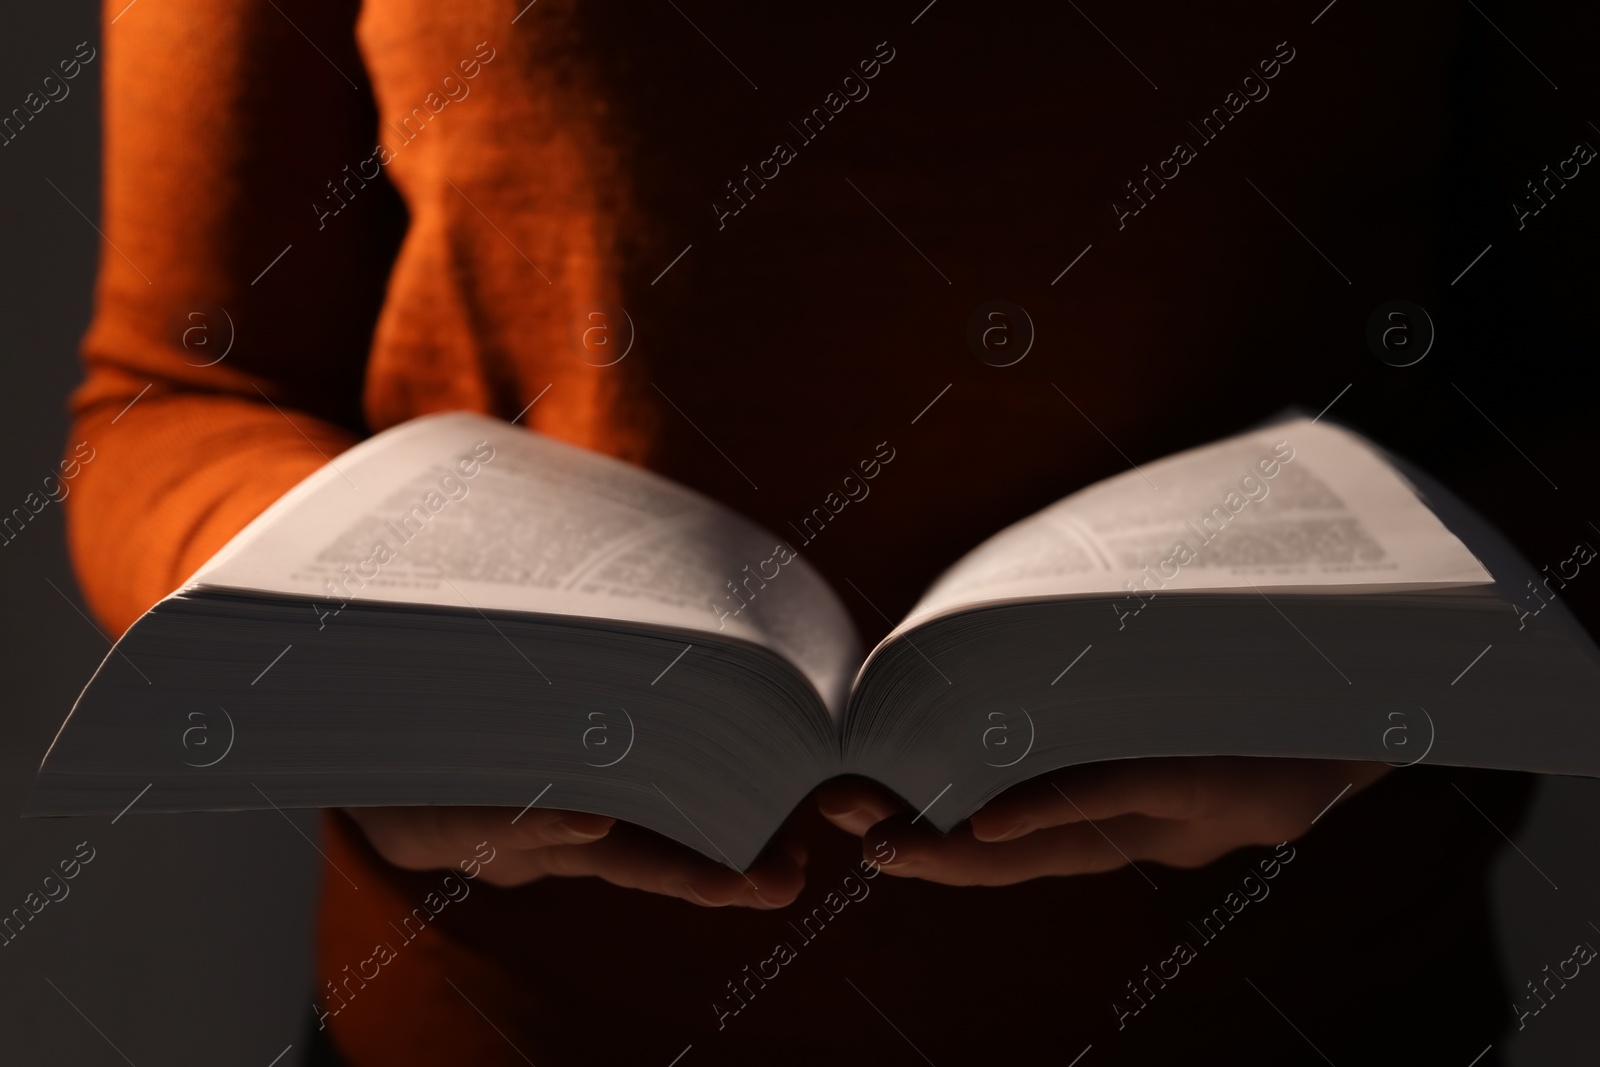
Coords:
pixel 792 217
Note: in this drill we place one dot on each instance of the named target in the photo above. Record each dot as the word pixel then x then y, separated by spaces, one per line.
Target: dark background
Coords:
pixel 187 939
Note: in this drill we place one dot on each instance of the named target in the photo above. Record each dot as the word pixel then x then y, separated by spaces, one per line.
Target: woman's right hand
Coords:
pixel 548 841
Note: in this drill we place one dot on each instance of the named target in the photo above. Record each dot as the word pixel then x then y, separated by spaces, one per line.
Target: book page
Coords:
pixel 1295 507
pixel 466 511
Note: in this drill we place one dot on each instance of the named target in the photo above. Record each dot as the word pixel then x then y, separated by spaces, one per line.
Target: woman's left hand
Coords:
pixel 1175 810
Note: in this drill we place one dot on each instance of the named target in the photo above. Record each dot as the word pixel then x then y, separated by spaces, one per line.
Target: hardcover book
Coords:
pixel 460 611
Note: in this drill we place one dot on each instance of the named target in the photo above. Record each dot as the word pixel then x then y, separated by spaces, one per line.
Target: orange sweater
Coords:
pixel 321 221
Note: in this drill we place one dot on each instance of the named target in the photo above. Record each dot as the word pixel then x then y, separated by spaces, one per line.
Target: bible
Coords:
pixel 460 611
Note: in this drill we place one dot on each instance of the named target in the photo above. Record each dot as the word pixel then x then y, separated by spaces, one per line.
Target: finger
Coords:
pixel 1163 788
pixel 1080 848
pixel 892 843
pixel 514 867
pixel 539 827
pixel 637 859
pixel 854 805
pixel 657 866
pixel 424 837
pixel 1258 799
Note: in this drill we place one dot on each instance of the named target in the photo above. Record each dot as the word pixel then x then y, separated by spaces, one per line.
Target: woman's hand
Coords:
pixel 1180 811
pixel 574 844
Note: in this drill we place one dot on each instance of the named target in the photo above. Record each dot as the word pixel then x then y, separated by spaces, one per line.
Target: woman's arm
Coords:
pixel 222 124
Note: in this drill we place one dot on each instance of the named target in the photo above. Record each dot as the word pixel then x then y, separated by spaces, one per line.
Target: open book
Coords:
pixel 459 611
